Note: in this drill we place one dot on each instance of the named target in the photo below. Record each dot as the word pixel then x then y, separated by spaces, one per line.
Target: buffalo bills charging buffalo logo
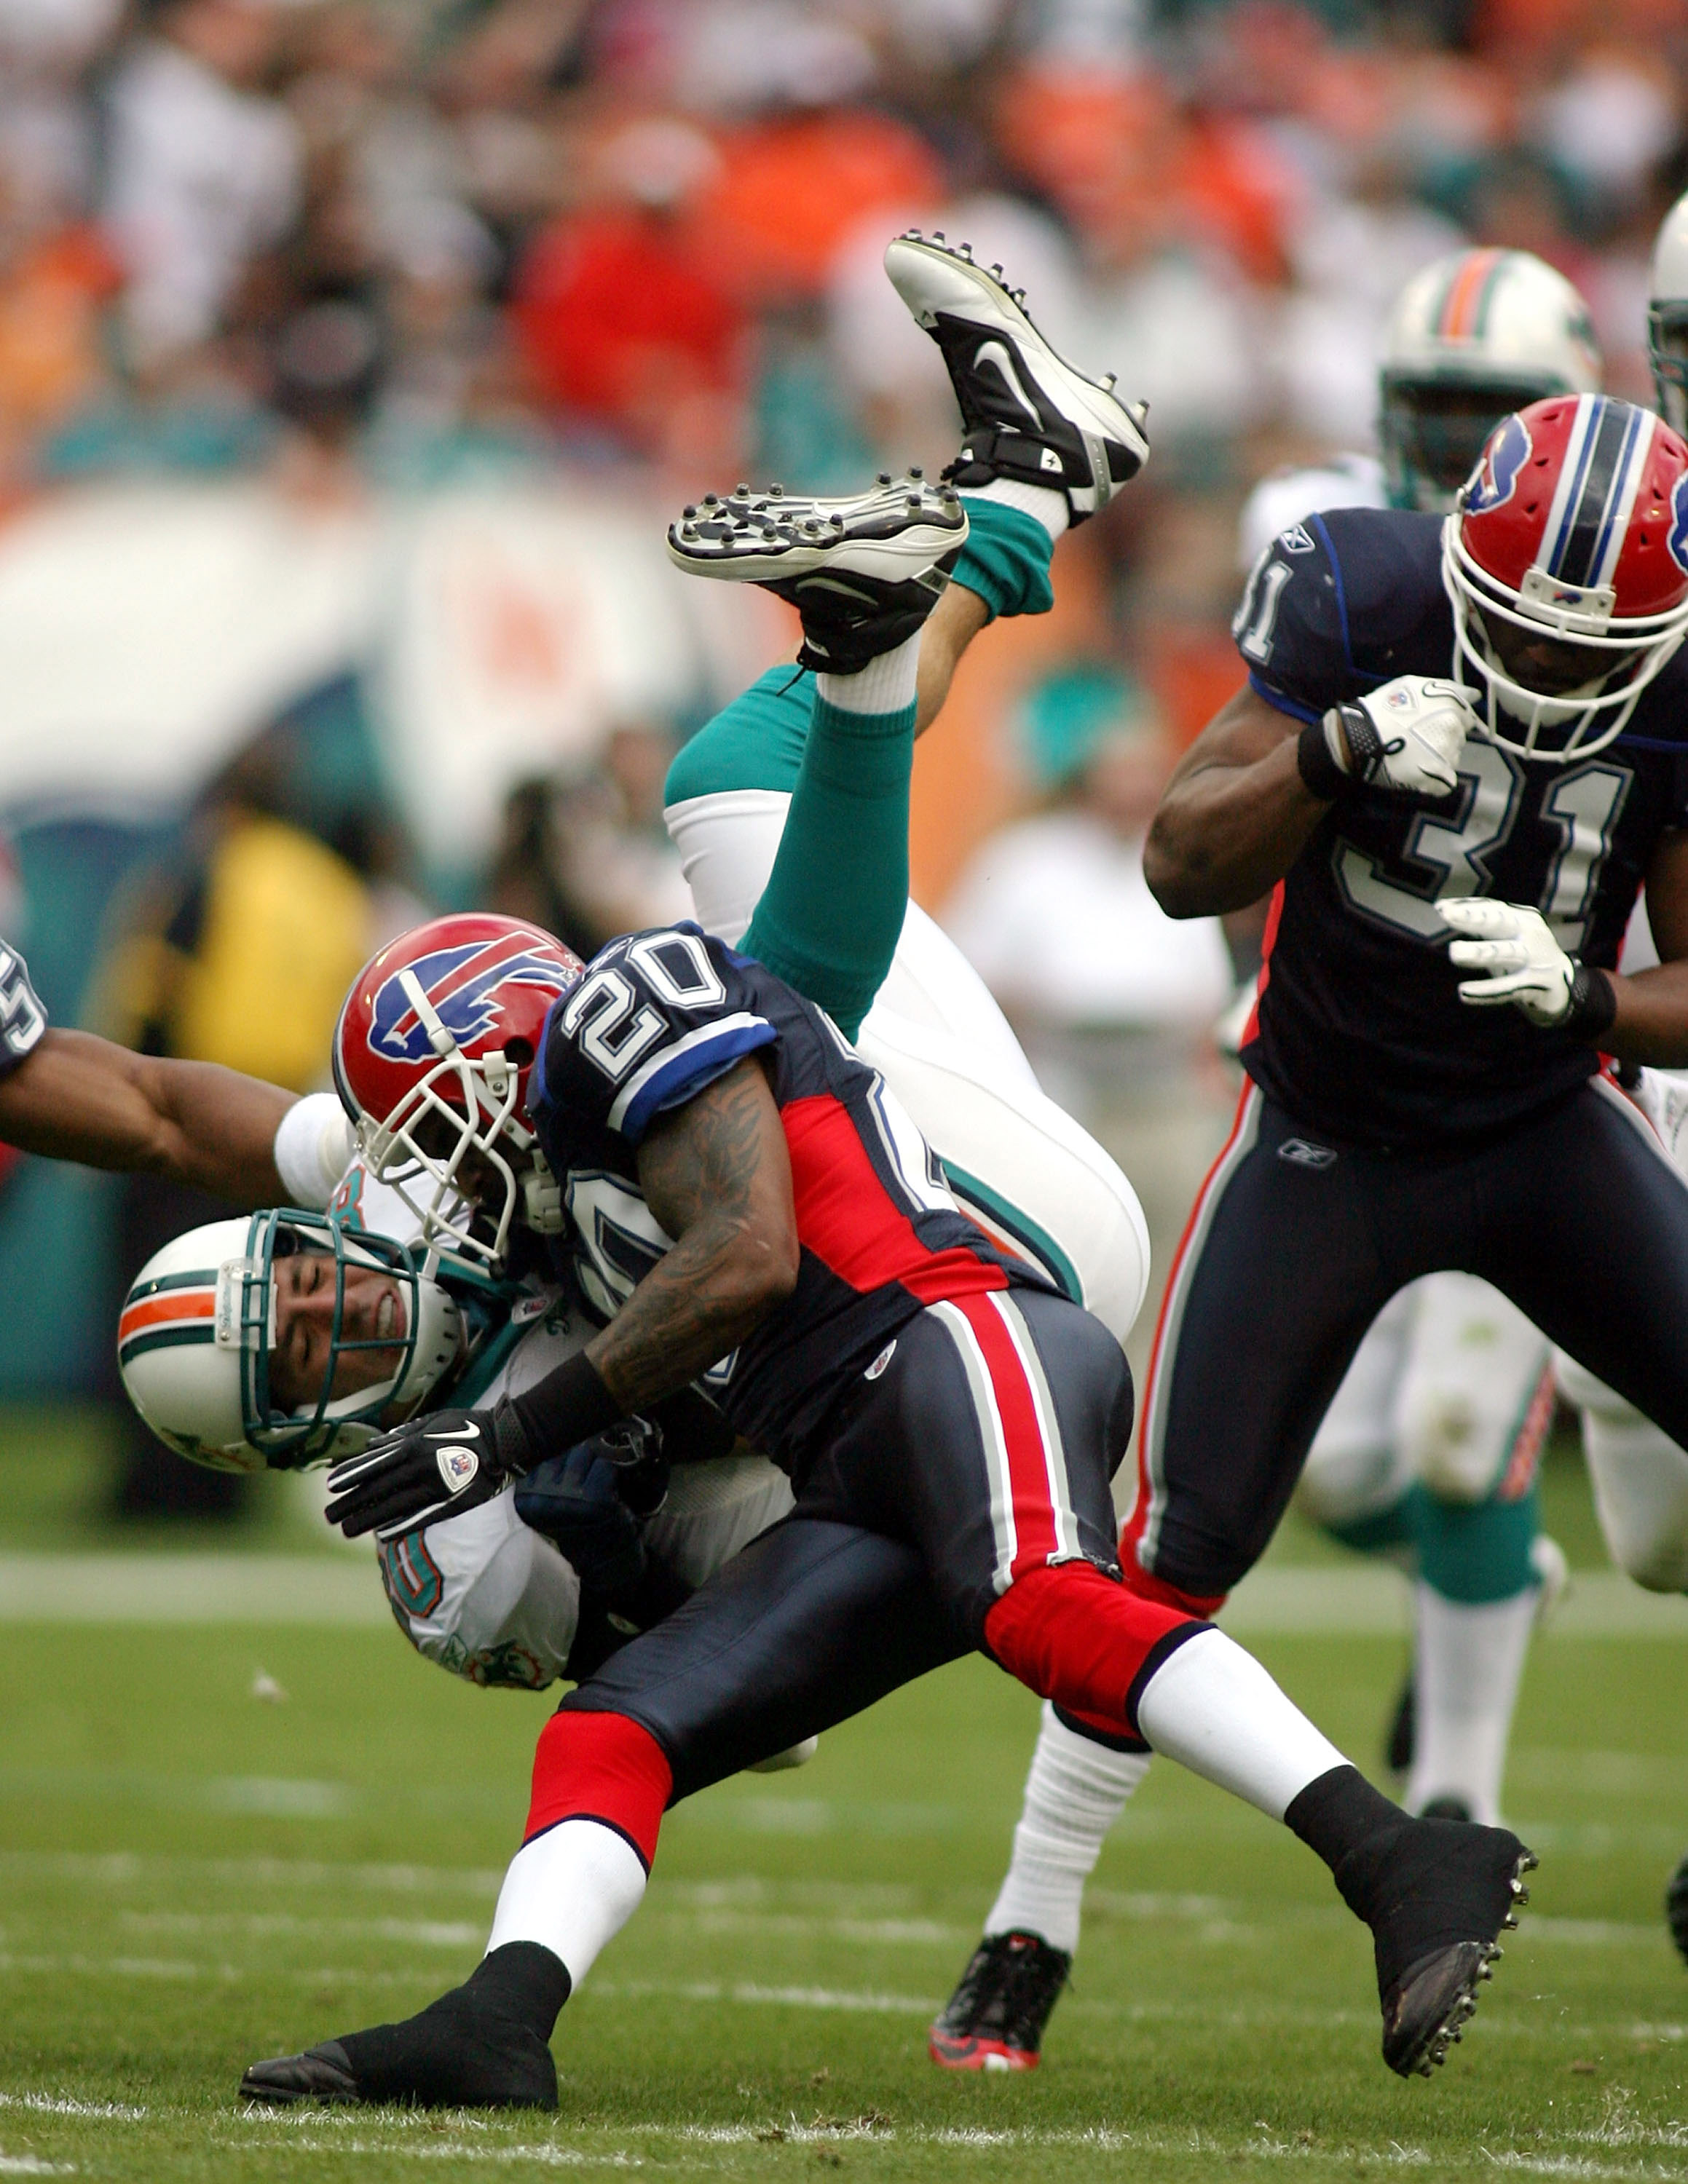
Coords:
pixel 463 983
pixel 1676 538
pixel 1490 484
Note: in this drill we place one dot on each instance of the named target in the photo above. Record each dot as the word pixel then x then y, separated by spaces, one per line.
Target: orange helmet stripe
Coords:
pixel 1463 304
pixel 156 1310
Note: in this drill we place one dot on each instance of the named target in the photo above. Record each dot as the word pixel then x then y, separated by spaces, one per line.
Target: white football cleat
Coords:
pixel 1026 412
pixel 863 571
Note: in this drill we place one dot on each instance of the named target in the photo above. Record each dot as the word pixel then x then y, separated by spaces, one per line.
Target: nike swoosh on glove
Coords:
pixel 1405 736
pixel 1520 960
pixel 437 1465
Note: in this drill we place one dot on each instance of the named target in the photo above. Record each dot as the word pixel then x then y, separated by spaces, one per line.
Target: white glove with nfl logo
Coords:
pixel 1405 737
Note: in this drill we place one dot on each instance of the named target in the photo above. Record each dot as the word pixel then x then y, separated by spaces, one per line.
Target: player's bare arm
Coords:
pixel 80 1098
pixel 718 1178
pixel 1234 817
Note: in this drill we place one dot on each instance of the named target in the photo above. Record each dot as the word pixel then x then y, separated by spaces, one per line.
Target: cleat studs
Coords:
pixel 884 478
pixel 740 492
pixel 937 235
pixel 776 492
pixel 915 471
pixel 1509 1924
pixel 688 531
pixel 966 249
pixel 913 501
pixel 998 270
pixel 1110 380
pixel 688 513
pixel 711 500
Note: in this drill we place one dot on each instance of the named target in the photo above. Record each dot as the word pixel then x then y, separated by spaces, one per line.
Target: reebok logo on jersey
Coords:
pixel 457 1466
pixel 1300 1154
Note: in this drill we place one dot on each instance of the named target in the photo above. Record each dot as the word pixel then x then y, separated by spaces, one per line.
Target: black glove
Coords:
pixel 437 1465
pixel 593 1501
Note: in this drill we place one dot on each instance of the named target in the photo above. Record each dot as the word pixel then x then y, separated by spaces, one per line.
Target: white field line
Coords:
pixel 419 1933
pixel 125 1869
pixel 301 1589
pixel 30 2164
pixel 63 2104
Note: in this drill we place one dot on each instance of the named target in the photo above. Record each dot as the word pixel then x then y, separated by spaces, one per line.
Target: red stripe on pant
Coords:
pixel 1035 1534
pixel 1080 1638
pixel 599 1767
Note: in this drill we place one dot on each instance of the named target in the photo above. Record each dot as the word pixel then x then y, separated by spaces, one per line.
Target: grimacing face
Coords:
pixel 374 1309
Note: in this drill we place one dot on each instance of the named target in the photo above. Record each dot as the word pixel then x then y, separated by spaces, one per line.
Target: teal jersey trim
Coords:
pixel 1038 1244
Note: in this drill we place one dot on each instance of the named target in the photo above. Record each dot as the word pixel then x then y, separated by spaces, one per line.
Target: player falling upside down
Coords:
pixel 948 1417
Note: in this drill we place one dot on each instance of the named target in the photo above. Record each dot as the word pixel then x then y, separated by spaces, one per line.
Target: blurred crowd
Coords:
pixel 367 250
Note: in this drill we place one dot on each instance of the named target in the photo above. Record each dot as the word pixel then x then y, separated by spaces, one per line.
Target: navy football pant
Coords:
pixel 1295 1245
pixel 962 1502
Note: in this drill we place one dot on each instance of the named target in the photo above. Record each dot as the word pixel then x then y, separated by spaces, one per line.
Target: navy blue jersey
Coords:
pixel 22 1017
pixel 1360 1031
pixel 657 1016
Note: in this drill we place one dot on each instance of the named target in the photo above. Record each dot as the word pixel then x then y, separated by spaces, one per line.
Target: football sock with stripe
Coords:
pixel 1076 1790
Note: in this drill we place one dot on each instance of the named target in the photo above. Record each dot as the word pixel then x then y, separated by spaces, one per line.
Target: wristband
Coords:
pixel 567 1406
pixel 1594 1005
pixel 1315 763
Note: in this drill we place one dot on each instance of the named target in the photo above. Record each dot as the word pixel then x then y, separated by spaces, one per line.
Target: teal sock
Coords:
pixel 1006 559
pixel 829 919
pixel 1476 1553
pixel 756 742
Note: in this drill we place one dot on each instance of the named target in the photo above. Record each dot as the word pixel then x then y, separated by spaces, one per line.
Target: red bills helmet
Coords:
pixel 433 1055
pixel 1572 530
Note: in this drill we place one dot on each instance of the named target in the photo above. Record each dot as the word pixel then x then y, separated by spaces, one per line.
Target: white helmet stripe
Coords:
pixel 1632 468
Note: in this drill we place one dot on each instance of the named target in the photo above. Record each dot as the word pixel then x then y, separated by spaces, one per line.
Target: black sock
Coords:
pixel 483 2045
pixel 1338 1810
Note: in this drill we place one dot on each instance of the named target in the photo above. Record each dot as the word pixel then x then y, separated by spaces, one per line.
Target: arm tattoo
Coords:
pixel 716 1176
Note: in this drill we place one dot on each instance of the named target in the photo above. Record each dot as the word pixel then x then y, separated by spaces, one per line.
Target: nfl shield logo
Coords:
pixel 457 1466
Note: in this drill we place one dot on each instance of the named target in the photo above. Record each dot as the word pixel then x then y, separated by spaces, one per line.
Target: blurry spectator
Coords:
pixel 588 857
pixel 1054 912
pixel 204 168
pixel 239 951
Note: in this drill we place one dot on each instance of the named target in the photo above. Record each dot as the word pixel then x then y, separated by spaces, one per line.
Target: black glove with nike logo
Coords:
pixel 441 1464
pixel 445 1461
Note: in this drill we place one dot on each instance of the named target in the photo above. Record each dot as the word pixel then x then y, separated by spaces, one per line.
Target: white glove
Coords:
pixel 314 1147
pixel 1405 737
pixel 1520 959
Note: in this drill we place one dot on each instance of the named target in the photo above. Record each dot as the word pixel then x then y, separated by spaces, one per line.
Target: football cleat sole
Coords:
pixel 968 2053
pixel 894 533
pixel 1428 2010
pixel 938 281
pixel 1676 1907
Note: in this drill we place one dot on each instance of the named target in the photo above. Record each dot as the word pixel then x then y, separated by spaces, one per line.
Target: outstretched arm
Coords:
pixel 79 1098
pixel 1234 817
pixel 717 1176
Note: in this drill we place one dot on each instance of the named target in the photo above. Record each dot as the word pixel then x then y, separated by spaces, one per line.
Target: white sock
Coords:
pixel 1213 1708
pixel 1075 1792
pixel 1468 1661
pixel 885 685
pixel 571 1889
pixel 1047 503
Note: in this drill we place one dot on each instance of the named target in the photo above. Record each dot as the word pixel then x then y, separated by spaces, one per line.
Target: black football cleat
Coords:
pixel 1436 1893
pixel 864 572
pixel 478 2046
pixel 1026 413
pixel 1676 1907
pixel 995 2019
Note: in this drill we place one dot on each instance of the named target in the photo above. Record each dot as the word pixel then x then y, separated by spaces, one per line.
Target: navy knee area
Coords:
pixel 805 1627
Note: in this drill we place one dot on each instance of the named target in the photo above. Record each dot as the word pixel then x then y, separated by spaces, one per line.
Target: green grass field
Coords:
pixel 192 1876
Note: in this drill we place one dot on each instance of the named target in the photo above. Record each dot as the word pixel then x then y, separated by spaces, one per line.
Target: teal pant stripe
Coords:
pixel 1038 1244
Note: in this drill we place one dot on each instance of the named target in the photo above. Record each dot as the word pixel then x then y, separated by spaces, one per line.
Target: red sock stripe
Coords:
pixel 1079 1638
pixel 599 1767
pixel 1030 1459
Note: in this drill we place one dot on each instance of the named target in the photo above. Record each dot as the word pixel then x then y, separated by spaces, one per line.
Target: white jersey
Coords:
pixel 1283 499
